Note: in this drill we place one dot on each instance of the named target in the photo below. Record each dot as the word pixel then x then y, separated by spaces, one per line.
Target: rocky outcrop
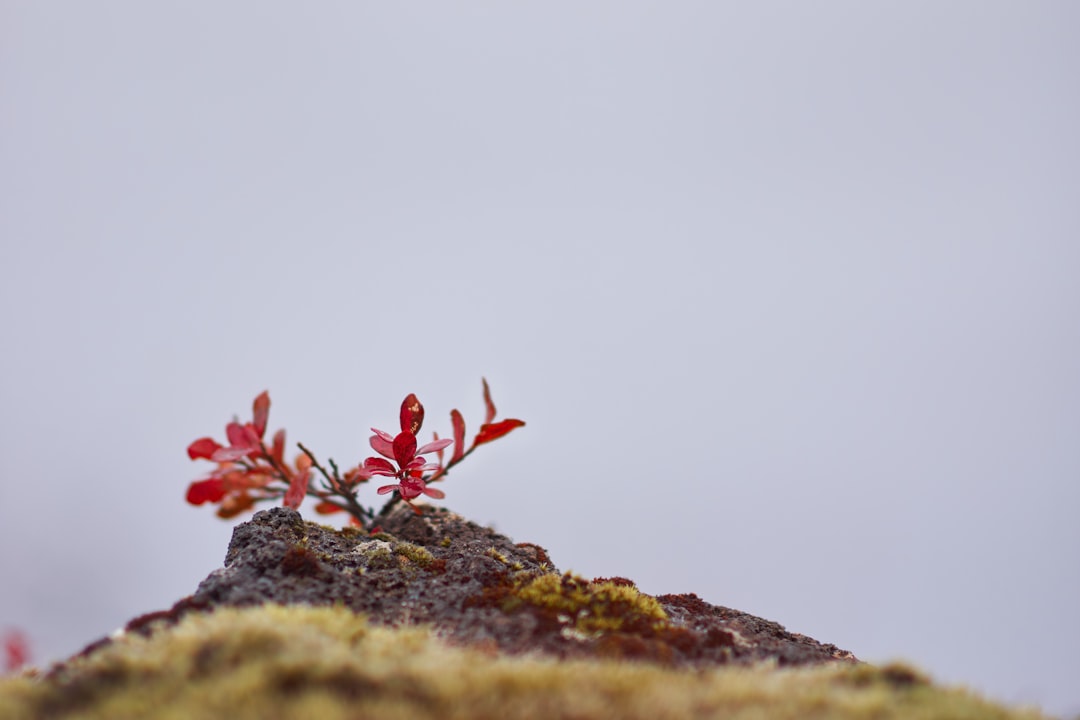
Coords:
pixel 435 617
pixel 477 587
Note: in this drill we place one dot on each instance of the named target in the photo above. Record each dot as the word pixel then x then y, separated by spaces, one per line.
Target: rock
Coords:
pixel 437 617
pixel 477 587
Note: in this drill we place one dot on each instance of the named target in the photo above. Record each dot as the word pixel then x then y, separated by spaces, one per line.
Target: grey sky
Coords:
pixel 786 292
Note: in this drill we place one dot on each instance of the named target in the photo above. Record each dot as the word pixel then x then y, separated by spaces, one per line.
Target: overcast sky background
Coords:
pixel 786 292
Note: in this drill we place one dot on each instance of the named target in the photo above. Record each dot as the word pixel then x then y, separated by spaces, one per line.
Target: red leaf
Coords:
pixel 260 412
pixel 277 450
pixel 412 414
pixel 242 437
pixel 378 466
pixel 404 448
pixel 211 490
pixel 16 651
pixel 203 448
pixel 382 443
pixel 459 435
pixel 234 505
pixel 493 431
pixel 435 445
pixel 357 475
pixel 231 454
pixel 434 492
pixel 439 453
pixel 487 401
pixel 328 508
pixel 297 489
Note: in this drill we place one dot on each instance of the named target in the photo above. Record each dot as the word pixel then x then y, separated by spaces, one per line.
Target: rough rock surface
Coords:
pixel 467 582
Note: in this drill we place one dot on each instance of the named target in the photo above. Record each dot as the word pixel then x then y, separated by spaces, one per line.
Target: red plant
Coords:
pixel 16 651
pixel 248 472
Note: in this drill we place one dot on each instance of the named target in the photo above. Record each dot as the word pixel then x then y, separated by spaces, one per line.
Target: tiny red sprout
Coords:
pixel 401 448
pixel 16 651
pixel 247 472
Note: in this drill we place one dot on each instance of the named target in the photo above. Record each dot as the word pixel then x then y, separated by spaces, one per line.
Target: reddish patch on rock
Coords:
pixel 300 561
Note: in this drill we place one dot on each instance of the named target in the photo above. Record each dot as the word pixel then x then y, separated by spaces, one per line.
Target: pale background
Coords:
pixel 786 292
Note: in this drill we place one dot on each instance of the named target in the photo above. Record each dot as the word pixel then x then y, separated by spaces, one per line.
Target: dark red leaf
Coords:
pixel 404 448
pixel 435 445
pixel 16 651
pixel 231 454
pixel 260 412
pixel 382 443
pixel 412 414
pixel 441 451
pixel 357 475
pixel 459 435
pixel 493 431
pixel 235 504
pixel 210 490
pixel 242 436
pixel 297 489
pixel 277 450
pixel 203 448
pixel 487 402
pixel 434 492
pixel 378 466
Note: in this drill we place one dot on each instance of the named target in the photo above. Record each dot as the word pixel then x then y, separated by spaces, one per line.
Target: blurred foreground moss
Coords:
pixel 298 662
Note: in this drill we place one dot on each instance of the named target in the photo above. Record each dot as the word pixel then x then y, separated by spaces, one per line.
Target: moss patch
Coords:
pixel 297 662
pixel 591 607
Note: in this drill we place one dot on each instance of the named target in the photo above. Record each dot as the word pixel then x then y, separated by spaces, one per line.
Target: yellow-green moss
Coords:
pixel 494 553
pixel 296 662
pixel 417 554
pixel 386 554
pixel 591 607
pixel 349 532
